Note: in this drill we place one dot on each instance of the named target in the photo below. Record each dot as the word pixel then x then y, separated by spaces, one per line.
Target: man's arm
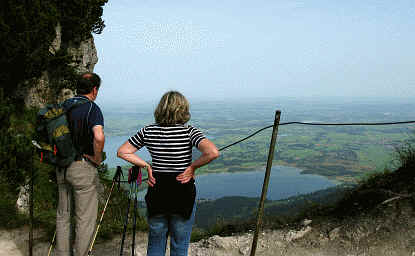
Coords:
pixel 98 143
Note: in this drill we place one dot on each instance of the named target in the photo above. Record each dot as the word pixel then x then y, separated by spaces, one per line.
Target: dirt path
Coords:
pixel 389 232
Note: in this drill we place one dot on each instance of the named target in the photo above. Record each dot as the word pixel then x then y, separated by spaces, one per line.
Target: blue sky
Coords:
pixel 251 49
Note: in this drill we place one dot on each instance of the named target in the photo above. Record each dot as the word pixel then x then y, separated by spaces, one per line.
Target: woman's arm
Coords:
pixel 126 152
pixel 209 153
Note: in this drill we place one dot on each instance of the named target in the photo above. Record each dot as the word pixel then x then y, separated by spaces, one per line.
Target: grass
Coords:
pixel 367 195
pixel 374 189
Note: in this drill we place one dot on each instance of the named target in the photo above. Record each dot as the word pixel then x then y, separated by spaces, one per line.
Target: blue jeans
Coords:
pixel 179 229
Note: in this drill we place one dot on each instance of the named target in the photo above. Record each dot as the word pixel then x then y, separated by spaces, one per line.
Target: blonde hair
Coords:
pixel 172 109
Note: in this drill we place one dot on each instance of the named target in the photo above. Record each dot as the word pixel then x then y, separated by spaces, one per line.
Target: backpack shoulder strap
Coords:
pixel 74 102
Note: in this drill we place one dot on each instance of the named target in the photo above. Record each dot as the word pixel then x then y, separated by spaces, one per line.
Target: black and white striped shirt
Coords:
pixel 170 147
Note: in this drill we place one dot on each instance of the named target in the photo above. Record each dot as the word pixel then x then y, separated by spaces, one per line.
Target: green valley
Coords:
pixel 344 153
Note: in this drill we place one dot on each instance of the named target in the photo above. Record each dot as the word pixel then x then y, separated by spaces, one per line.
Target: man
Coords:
pixel 77 184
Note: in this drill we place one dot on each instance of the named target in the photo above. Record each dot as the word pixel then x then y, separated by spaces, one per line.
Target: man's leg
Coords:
pixel 180 232
pixel 63 216
pixel 157 235
pixel 82 177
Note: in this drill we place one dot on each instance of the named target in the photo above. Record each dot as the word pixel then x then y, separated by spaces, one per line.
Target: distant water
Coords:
pixel 112 143
pixel 284 181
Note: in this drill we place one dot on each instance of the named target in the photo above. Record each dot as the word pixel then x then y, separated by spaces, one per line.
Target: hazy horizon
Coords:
pixel 150 104
pixel 262 49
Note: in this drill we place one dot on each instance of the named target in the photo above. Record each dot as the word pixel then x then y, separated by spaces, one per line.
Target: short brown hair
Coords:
pixel 87 81
pixel 172 109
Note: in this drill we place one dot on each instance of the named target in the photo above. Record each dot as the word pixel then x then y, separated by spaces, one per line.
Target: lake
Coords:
pixel 112 143
pixel 284 181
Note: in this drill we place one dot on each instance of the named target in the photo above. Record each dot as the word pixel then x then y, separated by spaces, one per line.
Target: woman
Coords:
pixel 171 194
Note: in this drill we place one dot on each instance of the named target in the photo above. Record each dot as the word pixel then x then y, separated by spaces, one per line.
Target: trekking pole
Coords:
pixel 134 179
pixel 114 180
pixel 135 220
pixel 126 220
pixel 32 173
pixel 137 182
pixel 51 243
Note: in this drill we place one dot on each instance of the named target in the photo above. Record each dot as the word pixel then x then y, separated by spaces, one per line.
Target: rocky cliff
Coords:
pixel 83 57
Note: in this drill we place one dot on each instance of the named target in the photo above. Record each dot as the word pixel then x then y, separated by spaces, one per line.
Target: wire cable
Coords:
pixel 306 123
pixel 345 124
pixel 316 124
pixel 239 141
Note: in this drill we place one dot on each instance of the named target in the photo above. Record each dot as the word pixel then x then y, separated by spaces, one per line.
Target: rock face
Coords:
pixel 84 57
pixel 22 202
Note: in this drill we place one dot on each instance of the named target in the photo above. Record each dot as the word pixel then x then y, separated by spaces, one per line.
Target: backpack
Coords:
pixel 53 136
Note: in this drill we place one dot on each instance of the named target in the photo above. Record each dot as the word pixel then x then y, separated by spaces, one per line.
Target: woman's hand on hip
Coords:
pixel 187 175
pixel 151 181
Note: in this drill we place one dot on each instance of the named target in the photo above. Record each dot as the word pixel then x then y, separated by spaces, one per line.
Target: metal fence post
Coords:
pixel 266 181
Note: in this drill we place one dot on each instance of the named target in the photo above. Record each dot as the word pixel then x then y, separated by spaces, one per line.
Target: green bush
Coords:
pixel 15 155
pixel 406 154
